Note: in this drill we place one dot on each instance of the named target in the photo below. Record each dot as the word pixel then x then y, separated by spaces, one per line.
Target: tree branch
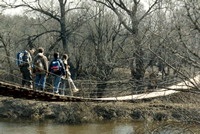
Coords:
pixel 181 73
pixel 26 5
pixel 149 10
pixel 194 22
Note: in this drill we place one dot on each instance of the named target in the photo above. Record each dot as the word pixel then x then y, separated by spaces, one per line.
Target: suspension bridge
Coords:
pixel 16 91
pixel 10 79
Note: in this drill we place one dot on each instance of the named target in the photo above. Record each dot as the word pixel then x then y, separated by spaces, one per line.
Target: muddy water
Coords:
pixel 134 127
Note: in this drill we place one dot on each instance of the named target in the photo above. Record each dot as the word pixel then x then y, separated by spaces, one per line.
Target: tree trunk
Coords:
pixel 9 64
pixel 137 64
pixel 63 33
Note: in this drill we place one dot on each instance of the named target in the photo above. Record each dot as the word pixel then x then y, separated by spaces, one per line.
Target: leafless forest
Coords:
pixel 116 47
pixel 127 44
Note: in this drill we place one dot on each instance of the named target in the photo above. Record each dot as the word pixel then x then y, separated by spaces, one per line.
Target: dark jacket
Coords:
pixel 62 68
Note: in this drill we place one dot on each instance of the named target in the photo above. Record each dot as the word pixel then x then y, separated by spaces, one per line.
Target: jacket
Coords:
pixel 62 68
pixel 44 61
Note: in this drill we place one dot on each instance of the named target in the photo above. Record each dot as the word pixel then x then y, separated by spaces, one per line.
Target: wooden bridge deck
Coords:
pixel 15 91
pixel 7 89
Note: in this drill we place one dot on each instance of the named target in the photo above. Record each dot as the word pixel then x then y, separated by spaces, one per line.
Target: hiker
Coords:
pixel 57 69
pixel 40 69
pixel 67 77
pixel 24 61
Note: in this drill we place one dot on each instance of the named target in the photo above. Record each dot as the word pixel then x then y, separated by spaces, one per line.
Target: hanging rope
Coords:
pixel 87 88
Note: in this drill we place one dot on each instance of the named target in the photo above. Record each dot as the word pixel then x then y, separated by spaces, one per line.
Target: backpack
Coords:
pixel 38 66
pixel 56 66
pixel 20 60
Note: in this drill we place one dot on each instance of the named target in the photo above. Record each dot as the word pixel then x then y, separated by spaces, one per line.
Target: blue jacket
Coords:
pixel 61 68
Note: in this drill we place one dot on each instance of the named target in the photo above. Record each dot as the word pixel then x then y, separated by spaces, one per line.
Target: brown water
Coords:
pixel 135 127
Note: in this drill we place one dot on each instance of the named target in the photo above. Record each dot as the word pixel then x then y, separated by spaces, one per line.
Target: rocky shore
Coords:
pixel 179 107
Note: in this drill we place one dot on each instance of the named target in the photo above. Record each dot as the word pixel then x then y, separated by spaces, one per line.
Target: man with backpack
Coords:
pixel 24 61
pixel 40 68
pixel 57 69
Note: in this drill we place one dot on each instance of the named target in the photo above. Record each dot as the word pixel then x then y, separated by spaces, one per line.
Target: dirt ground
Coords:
pixel 178 107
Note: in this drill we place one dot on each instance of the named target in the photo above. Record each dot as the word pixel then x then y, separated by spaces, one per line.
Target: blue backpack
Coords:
pixel 56 66
pixel 21 57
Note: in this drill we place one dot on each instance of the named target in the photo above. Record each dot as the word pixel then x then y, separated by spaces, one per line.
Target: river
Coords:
pixel 106 127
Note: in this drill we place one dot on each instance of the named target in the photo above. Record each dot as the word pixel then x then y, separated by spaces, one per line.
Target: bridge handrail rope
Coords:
pixel 97 82
pixel 19 77
pixel 86 92
pixel 14 76
pixel 92 82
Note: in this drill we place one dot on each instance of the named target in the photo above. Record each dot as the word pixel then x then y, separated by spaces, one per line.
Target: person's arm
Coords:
pixel 46 64
pixel 67 70
pixel 30 58
pixel 63 68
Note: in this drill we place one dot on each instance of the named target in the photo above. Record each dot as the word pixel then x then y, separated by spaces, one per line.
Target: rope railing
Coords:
pixel 89 88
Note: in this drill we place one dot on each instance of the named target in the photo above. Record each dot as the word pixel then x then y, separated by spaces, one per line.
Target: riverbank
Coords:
pixel 177 107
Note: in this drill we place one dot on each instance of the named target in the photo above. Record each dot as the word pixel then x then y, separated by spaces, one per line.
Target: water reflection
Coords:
pixel 30 127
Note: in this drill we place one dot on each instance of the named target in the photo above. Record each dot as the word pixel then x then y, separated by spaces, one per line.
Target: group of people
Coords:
pixel 40 67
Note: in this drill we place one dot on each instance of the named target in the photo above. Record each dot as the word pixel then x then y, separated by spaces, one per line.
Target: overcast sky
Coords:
pixel 19 11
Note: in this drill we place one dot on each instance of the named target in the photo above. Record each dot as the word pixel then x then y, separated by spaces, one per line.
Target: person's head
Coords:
pixel 65 57
pixel 32 50
pixel 56 55
pixel 40 50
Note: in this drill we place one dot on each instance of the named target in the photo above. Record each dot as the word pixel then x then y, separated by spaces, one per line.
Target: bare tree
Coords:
pixel 98 46
pixel 181 44
pixel 5 41
pixel 128 15
pixel 50 10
